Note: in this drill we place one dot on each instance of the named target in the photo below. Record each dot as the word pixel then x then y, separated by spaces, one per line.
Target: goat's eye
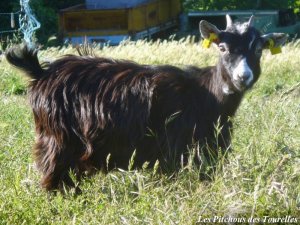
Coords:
pixel 222 48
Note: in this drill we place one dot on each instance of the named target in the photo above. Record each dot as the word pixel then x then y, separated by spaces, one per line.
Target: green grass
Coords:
pixel 261 177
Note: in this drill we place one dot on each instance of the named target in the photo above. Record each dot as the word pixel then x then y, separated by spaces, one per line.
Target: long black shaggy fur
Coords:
pixel 90 110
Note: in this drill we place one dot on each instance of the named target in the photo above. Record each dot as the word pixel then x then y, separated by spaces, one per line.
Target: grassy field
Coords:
pixel 261 179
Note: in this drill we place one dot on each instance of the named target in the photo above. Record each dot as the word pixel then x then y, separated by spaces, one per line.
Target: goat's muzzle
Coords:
pixel 242 75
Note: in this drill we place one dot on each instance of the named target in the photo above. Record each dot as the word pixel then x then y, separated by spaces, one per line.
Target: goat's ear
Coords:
pixel 207 29
pixel 274 40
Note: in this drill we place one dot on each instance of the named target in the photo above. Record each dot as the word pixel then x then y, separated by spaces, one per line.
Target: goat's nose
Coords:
pixel 244 76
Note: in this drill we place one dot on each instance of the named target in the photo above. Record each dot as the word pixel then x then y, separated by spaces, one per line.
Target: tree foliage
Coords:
pixel 238 4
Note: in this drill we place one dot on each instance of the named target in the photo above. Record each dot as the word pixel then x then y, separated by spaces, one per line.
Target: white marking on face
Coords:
pixel 227 90
pixel 243 72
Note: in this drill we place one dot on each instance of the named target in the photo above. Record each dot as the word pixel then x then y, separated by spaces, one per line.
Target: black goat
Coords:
pixel 91 110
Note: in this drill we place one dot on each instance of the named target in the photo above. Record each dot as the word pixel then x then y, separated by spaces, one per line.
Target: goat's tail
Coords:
pixel 25 58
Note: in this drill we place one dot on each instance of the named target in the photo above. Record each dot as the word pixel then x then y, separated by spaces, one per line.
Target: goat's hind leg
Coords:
pixel 55 161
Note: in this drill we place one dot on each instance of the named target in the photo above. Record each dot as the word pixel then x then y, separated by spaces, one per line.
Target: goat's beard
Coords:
pixel 239 86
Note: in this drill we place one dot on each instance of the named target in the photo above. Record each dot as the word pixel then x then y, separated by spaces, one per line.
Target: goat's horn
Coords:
pixel 251 21
pixel 228 21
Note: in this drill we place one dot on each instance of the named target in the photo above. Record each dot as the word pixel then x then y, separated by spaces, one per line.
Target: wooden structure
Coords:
pixel 114 25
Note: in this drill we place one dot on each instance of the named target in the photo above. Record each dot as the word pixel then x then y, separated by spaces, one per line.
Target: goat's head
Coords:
pixel 240 46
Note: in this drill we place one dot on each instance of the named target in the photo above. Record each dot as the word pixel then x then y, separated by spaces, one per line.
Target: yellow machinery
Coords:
pixel 113 25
